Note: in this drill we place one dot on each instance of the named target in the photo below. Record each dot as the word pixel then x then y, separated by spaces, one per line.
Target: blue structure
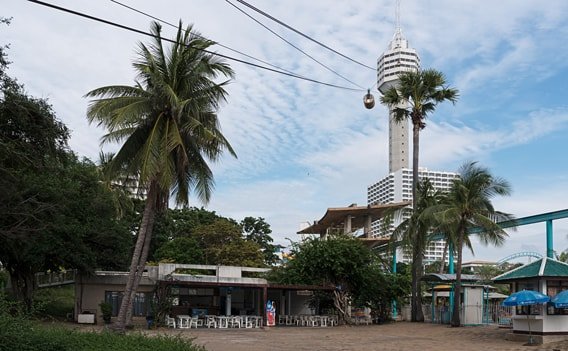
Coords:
pixel 520 254
pixel 543 217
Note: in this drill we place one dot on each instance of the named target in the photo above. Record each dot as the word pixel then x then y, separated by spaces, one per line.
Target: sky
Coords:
pixel 303 147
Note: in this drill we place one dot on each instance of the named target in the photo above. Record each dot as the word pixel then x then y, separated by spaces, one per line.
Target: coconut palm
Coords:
pixel 417 95
pixel 414 234
pixel 467 209
pixel 167 124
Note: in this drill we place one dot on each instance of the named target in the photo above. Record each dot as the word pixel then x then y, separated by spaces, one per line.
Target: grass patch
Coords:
pixel 17 333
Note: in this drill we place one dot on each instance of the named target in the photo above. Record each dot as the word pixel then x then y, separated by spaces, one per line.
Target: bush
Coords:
pixel 18 332
pixel 54 303
pixel 106 309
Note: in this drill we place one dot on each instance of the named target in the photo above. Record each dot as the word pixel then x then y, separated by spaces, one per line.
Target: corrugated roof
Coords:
pixel 436 277
pixel 544 267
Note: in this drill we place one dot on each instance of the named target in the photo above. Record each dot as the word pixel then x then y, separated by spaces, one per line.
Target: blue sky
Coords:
pixel 303 147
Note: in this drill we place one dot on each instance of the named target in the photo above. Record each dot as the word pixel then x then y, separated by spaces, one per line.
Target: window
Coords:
pixel 532 310
pixel 141 305
pixel 553 287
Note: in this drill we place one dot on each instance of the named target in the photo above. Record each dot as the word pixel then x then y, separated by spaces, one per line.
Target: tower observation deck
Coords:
pixel 398 58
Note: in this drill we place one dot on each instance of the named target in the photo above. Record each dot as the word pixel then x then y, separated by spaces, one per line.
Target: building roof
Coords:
pixel 337 215
pixel 479 262
pixel 436 277
pixel 544 267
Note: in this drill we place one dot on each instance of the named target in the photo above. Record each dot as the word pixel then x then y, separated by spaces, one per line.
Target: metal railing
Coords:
pixel 493 314
pixel 44 280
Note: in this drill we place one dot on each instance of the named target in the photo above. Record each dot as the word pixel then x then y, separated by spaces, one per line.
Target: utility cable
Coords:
pixel 200 36
pixel 302 34
pixel 292 45
pixel 114 24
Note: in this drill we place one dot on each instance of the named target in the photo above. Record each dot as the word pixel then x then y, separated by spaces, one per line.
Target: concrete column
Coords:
pixel 549 240
pixel 264 300
pixel 367 229
pixel 228 303
pixel 347 225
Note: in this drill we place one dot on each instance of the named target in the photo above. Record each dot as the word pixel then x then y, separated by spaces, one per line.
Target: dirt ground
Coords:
pixel 396 336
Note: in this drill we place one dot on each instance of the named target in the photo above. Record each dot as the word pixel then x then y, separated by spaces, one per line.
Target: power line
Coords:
pixel 200 36
pixel 302 34
pixel 114 24
pixel 292 45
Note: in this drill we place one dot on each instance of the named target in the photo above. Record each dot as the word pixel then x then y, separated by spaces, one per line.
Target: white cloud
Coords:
pixel 303 147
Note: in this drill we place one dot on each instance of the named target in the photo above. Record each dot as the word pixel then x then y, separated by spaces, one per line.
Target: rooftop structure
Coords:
pixel 350 220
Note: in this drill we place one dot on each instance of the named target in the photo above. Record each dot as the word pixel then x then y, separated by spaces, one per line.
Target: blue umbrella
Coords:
pixel 525 298
pixel 561 299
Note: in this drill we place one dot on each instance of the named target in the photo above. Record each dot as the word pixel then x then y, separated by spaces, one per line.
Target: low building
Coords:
pixel 194 290
pixel 547 323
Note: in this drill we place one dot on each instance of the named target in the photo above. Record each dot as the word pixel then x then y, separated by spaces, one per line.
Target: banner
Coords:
pixel 270 313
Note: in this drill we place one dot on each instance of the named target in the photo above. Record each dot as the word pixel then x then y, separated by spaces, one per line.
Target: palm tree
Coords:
pixel 416 95
pixel 414 234
pixel 167 124
pixel 467 209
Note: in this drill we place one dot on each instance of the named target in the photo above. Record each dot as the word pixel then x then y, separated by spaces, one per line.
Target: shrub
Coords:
pixel 18 332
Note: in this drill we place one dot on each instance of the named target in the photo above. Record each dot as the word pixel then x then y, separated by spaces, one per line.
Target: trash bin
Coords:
pixel 150 321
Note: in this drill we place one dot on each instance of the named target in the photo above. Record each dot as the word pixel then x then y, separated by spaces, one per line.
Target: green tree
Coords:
pixel 223 244
pixel 258 231
pixel 379 289
pixel 563 256
pixel 184 250
pixel 487 272
pixel 467 209
pixel 415 234
pixel 339 261
pixel 75 229
pixel 172 224
pixel 417 95
pixel 167 123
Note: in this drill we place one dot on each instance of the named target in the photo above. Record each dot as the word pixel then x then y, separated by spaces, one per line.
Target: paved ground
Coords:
pixel 396 336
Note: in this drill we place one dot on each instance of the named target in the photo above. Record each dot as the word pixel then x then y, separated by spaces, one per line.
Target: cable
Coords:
pixel 302 34
pixel 200 36
pixel 292 45
pixel 173 41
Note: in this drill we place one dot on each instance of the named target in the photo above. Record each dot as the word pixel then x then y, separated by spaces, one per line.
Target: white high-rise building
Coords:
pixel 397 187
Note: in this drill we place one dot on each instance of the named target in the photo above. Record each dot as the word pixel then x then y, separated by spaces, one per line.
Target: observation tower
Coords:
pixel 398 58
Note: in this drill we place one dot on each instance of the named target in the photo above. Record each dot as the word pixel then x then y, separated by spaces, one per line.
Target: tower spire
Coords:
pixel 397 16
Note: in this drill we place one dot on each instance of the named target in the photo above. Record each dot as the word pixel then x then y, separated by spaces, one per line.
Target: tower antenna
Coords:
pixel 397 16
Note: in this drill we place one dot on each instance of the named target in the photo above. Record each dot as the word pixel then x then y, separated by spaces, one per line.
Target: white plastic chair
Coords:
pixel 210 321
pixel 194 322
pixel 235 322
pixel 170 322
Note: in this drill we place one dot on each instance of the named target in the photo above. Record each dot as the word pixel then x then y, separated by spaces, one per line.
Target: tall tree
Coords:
pixel 421 91
pixel 339 261
pixel 414 233
pixel 467 209
pixel 168 126
pixel 258 231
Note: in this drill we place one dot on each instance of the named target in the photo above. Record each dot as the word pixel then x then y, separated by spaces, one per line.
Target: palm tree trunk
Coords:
pixel 143 259
pixel 418 315
pixel 136 266
pixel 443 264
pixel 416 307
pixel 456 322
